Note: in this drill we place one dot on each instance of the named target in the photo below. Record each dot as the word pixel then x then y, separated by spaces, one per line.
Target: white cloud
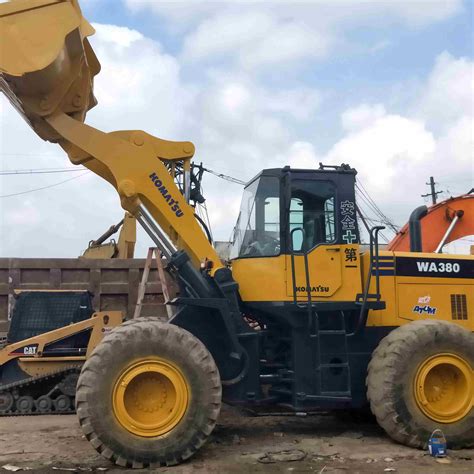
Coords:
pixel 226 32
pixel 258 38
pixel 417 13
pixel 259 33
pixel 300 103
pixel 139 85
pixel 388 146
pixel 117 37
pixel 302 155
pixel 449 92
pixel 361 116
pixel 286 43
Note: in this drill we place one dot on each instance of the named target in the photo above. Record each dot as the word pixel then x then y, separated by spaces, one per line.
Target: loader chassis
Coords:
pixel 307 336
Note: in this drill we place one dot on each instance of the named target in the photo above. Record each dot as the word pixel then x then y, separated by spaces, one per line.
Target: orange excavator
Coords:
pixel 430 229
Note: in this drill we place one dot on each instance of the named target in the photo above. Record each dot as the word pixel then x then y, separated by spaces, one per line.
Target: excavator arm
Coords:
pixel 47 70
pixel 124 248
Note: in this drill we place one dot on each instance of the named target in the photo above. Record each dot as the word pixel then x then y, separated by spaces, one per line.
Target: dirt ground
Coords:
pixel 240 443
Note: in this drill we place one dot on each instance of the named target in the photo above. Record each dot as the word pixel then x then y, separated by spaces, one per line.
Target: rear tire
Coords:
pixel 149 395
pixel 421 378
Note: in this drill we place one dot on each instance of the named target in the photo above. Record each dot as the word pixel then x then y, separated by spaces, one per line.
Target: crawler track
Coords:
pixel 52 394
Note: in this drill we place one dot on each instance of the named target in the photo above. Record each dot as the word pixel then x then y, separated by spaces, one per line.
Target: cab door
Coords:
pixel 313 260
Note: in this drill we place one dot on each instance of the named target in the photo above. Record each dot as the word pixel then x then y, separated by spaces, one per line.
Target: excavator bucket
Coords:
pixel 47 65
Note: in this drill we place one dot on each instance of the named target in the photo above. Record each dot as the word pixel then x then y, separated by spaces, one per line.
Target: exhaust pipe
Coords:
pixel 414 226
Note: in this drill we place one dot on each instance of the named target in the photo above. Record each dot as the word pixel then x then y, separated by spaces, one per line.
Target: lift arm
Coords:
pixel 47 69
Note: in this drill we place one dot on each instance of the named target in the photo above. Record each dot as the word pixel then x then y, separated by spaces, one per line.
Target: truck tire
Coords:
pixel 149 395
pixel 421 378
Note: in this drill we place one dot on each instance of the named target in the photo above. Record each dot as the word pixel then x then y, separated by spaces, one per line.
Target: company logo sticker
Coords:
pixel 29 350
pixel 424 309
pixel 313 289
pixel 172 203
pixel 424 299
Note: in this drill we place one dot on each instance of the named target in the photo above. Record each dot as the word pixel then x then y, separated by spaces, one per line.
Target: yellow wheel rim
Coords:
pixel 150 397
pixel 444 388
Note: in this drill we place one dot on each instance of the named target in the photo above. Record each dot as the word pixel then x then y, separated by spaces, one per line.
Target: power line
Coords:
pixel 39 155
pixel 44 187
pixel 372 221
pixel 40 171
pixel 373 204
pixel 364 195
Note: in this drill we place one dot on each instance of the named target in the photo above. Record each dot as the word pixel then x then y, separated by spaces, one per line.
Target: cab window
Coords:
pixel 311 214
pixel 257 233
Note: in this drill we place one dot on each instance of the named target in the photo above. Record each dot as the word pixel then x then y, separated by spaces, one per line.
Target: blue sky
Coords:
pixel 374 61
pixel 384 85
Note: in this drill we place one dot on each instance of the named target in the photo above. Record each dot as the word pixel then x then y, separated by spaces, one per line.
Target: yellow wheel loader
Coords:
pixel 301 317
pixel 51 335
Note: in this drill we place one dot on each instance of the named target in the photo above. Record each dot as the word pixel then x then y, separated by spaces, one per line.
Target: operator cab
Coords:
pixel 297 236
pixel 291 210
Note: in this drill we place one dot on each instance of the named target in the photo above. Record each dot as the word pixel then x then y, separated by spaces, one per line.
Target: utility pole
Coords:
pixel 433 192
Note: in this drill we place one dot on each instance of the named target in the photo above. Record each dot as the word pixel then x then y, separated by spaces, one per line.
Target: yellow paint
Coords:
pixel 331 276
pixel 127 237
pixel 38 39
pixel 150 397
pixel 261 279
pixel 46 365
pixel 96 323
pixel 402 293
pixel 270 278
pixel 410 293
pixel 444 388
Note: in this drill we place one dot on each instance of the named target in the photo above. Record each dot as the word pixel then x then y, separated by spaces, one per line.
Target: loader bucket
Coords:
pixel 47 65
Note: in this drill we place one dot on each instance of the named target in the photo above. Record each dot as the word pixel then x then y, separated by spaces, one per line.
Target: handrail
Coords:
pixel 374 241
pixel 307 277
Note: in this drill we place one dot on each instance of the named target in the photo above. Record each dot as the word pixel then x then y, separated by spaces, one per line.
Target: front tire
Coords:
pixel 149 395
pixel 421 378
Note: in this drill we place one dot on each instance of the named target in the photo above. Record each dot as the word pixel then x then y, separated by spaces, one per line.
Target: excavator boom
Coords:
pixel 47 70
pixel 124 248
pixel 442 223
